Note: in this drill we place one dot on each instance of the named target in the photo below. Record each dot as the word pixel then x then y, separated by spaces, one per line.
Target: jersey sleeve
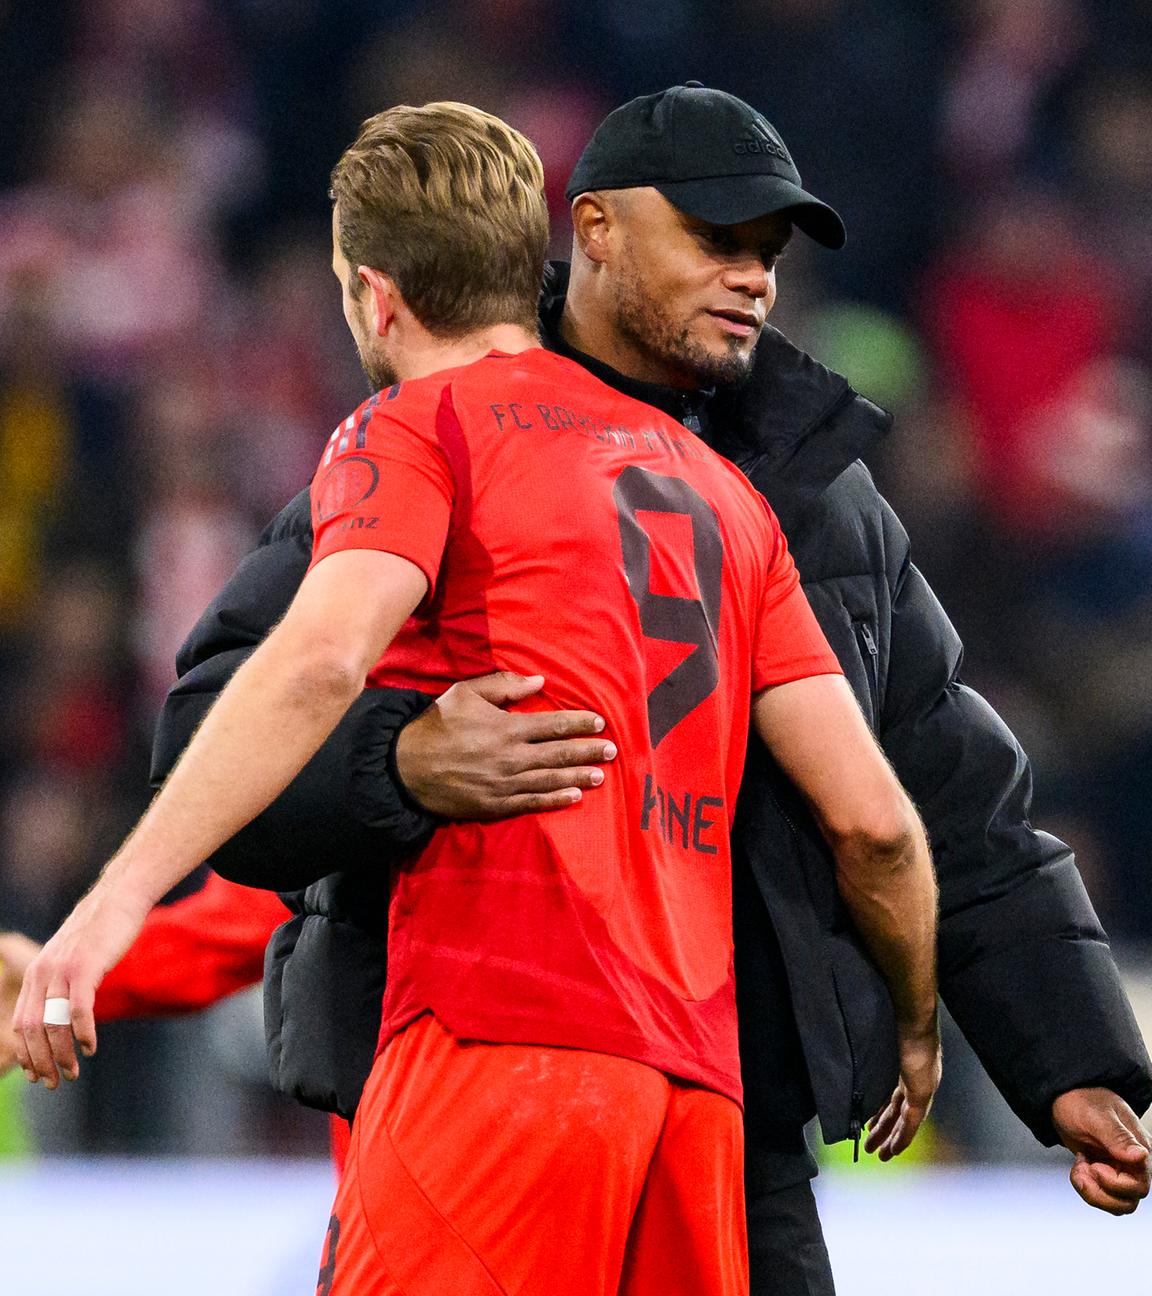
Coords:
pixel 789 644
pixel 192 953
pixel 385 483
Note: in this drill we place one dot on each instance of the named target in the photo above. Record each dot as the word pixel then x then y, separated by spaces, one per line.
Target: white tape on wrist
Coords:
pixel 57 1012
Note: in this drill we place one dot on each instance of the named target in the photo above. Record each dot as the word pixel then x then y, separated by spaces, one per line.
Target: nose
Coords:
pixel 750 277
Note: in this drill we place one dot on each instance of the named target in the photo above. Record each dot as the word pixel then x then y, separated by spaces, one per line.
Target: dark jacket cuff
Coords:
pixel 377 796
pixel 1079 1031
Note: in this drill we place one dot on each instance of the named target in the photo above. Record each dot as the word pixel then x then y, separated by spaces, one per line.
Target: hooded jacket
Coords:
pixel 1024 965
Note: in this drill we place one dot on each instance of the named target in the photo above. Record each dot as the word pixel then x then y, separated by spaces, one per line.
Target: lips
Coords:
pixel 743 323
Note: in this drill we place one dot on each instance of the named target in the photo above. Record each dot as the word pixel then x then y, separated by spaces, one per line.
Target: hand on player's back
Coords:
pixel 467 758
pixel 16 952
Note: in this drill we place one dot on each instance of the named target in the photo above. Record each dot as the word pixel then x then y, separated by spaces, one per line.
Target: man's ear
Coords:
pixel 383 296
pixel 592 222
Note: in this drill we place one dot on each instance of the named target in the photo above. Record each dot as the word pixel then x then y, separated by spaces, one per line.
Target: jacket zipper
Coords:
pixel 856 1111
pixel 871 663
pixel 872 668
pixel 690 417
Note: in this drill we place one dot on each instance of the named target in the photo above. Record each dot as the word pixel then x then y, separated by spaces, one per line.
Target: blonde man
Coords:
pixel 555 1104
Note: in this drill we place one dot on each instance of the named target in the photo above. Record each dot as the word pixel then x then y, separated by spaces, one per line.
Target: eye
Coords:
pixel 719 238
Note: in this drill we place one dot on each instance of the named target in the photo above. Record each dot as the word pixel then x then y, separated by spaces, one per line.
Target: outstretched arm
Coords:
pixel 816 732
pixel 1025 967
pixel 188 956
pixel 274 714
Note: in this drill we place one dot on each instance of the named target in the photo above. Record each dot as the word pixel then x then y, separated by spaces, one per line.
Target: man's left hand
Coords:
pixel 93 939
pixel 1111 1147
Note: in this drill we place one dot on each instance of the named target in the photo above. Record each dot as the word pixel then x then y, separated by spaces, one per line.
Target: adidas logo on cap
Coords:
pixel 761 141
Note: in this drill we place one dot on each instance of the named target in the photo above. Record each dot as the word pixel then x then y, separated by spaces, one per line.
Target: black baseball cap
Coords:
pixel 710 154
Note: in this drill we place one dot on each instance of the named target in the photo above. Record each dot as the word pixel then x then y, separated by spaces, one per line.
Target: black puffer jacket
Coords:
pixel 1025 968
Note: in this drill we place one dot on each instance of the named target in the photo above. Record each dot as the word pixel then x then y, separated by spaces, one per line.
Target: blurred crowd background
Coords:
pixel 172 358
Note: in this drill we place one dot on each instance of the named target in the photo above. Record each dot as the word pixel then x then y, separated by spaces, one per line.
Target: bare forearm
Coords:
pixel 815 730
pixel 890 891
pixel 274 714
pixel 270 719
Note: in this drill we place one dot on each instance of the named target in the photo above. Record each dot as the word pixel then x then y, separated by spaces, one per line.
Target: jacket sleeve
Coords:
pixel 346 809
pixel 192 953
pixel 1025 967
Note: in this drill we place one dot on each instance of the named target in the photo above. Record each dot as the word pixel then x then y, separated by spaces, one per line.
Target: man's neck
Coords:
pixel 585 329
pixel 433 354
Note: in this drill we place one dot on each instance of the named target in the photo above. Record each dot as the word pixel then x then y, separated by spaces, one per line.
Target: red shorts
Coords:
pixel 339 1137
pixel 484 1169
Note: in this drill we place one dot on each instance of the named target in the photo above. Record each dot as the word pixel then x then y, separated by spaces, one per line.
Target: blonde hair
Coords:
pixel 448 201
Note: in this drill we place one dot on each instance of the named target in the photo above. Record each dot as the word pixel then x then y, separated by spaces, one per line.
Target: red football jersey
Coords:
pixel 570 531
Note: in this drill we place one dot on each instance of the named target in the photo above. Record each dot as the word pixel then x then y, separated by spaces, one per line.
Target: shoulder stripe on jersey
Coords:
pixel 347 432
pixel 331 446
pixel 338 441
pixel 365 418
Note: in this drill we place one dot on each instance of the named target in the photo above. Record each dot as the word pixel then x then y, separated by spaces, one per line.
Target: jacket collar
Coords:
pixel 794 423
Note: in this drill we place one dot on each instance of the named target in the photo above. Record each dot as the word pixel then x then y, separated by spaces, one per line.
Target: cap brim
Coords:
pixel 729 200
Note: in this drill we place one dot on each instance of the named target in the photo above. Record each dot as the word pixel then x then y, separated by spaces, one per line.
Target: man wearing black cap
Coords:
pixel 681 203
pixel 710 154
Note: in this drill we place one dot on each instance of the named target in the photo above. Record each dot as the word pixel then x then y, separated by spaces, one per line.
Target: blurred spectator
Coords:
pixel 35 445
pixel 288 374
pixel 45 837
pixel 192 528
pixel 1112 186
pixel 1014 312
pixel 113 232
pixel 69 715
pixel 415 62
pixel 1013 52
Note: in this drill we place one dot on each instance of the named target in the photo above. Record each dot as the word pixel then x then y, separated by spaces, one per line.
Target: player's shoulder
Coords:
pixel 408 404
pixel 741 505
pixel 411 399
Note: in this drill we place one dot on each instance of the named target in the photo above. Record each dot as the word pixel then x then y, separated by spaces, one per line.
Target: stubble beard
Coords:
pixel 378 371
pixel 377 368
pixel 644 321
